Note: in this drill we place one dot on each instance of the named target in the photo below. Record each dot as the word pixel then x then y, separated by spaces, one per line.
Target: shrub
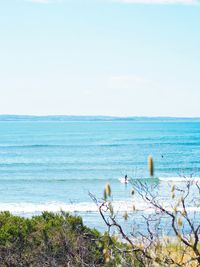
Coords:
pixel 48 240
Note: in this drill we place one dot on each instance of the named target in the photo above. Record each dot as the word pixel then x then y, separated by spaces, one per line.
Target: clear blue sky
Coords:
pixel 100 57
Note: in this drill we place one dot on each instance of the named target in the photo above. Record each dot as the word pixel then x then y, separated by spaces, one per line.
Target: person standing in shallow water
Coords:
pixel 126 179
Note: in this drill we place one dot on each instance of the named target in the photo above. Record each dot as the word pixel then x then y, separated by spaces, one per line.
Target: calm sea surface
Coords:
pixel 52 165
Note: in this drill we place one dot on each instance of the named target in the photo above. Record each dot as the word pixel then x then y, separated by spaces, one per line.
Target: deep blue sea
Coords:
pixel 52 163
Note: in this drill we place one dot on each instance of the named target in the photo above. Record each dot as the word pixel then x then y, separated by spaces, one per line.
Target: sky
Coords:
pixel 100 57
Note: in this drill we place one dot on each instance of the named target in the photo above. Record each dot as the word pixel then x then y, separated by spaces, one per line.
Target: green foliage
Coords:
pixel 50 240
pixel 57 240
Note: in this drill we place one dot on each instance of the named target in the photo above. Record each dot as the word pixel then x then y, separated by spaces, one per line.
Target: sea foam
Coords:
pixel 118 206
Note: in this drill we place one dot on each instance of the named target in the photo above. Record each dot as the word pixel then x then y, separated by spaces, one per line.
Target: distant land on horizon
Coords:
pixel 93 118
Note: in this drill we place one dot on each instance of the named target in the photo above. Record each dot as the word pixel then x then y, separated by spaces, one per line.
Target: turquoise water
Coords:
pixel 53 164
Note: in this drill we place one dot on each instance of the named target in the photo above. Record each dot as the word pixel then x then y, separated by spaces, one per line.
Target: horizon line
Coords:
pixel 102 116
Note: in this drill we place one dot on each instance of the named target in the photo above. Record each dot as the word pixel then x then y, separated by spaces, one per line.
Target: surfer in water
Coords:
pixel 126 179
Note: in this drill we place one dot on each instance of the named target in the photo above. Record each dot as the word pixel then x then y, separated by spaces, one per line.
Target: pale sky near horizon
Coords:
pixel 100 57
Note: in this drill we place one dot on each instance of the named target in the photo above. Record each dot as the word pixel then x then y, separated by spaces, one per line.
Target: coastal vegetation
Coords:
pixel 49 240
pixel 170 232
pixel 169 235
pixel 62 240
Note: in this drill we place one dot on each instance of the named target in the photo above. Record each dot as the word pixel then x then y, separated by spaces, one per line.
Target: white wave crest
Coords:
pixel 34 208
pixel 118 206
pixel 179 179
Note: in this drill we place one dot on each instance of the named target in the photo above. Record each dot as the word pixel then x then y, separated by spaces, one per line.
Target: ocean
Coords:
pixel 52 163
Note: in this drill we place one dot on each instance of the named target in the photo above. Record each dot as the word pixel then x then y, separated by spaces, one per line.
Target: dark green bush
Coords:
pixel 56 240
pixel 48 240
